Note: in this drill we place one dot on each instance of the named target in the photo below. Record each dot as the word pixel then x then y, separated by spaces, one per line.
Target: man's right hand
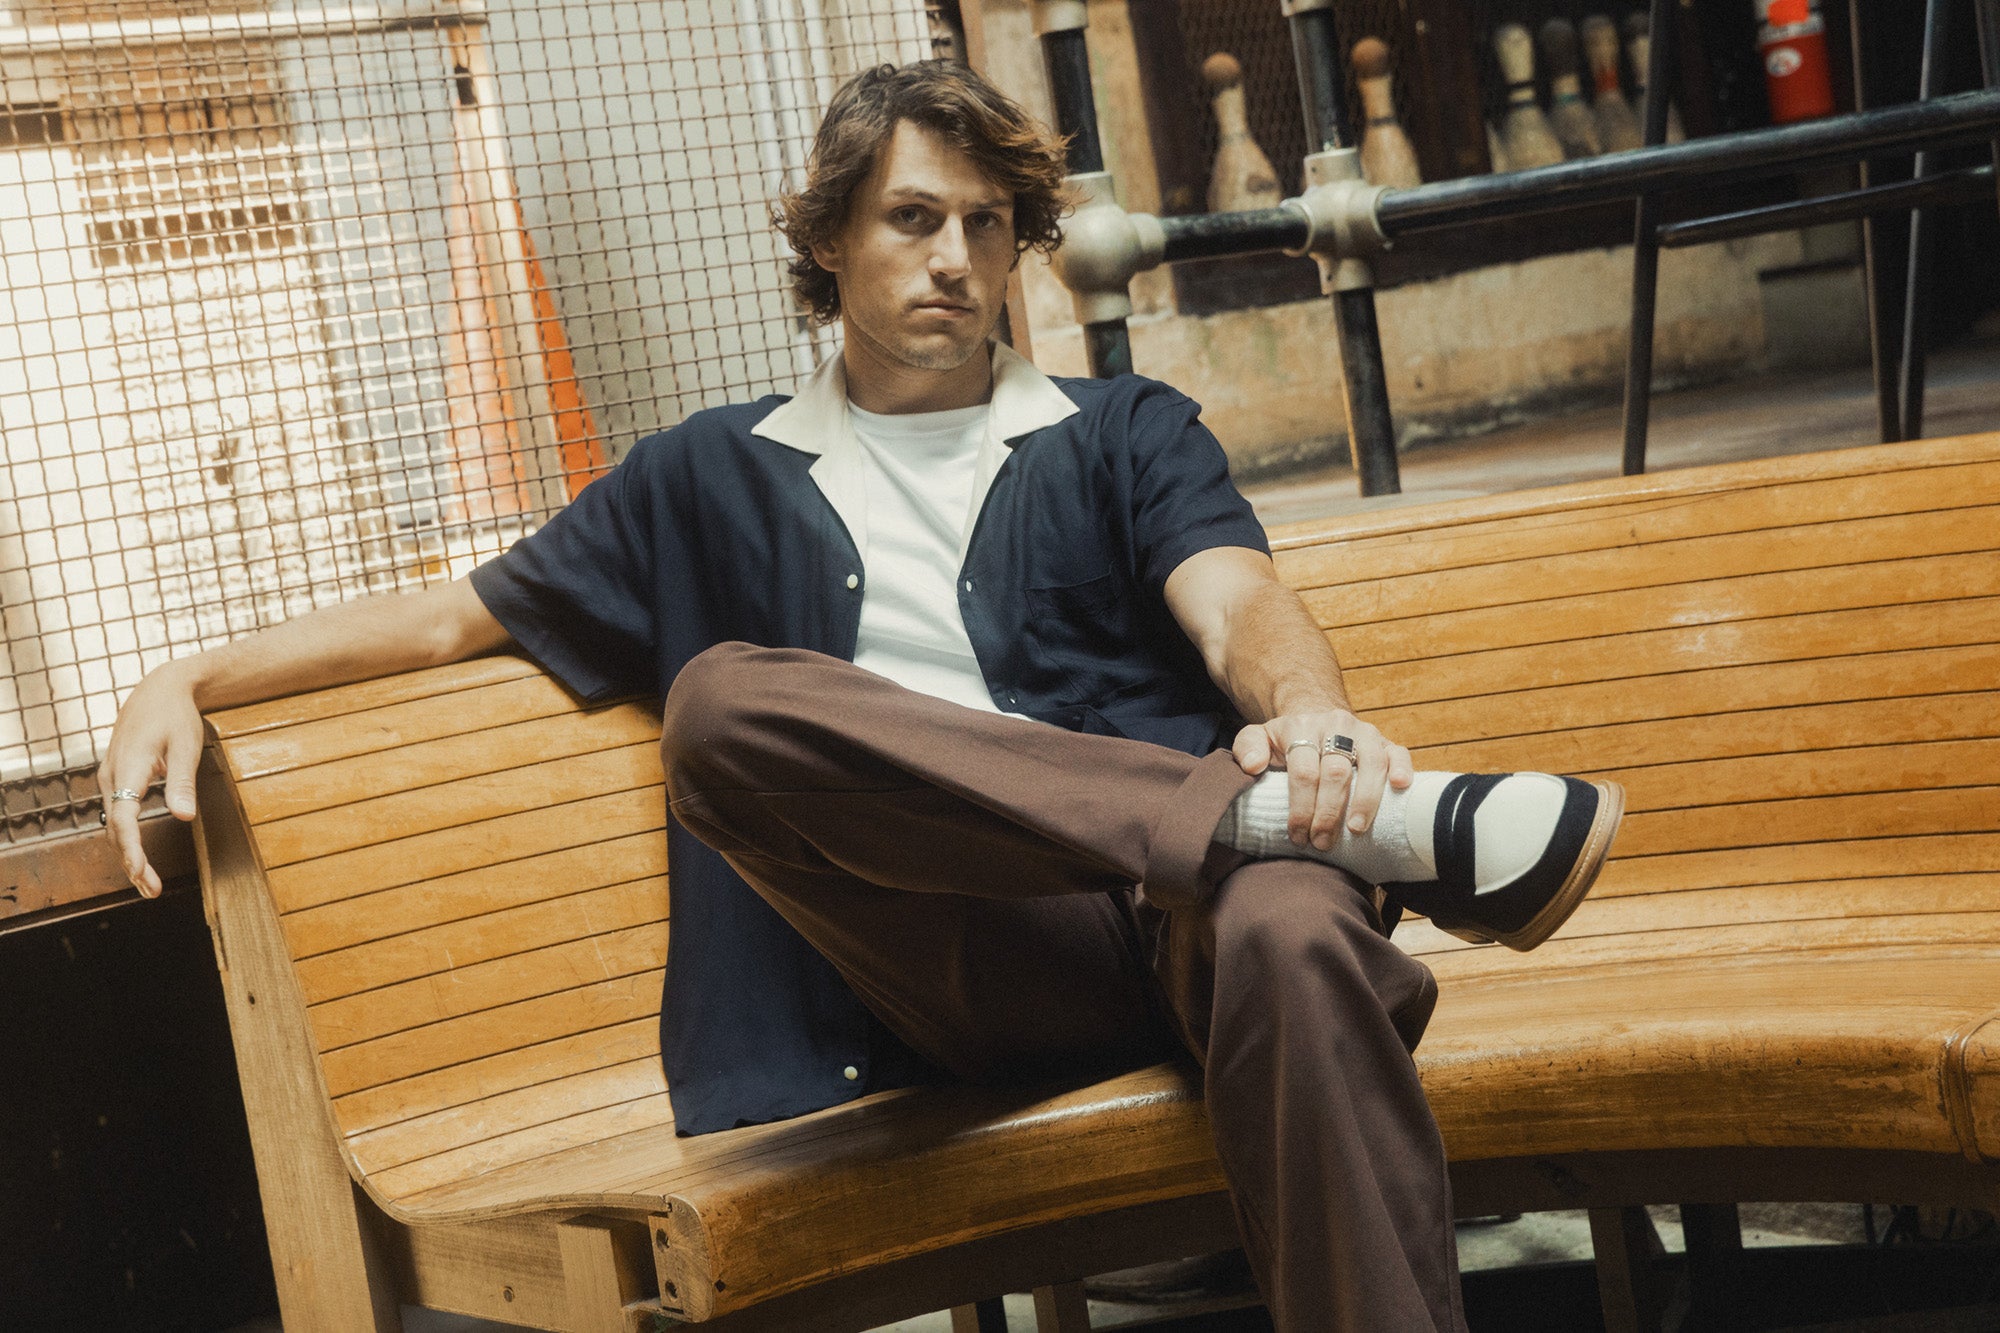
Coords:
pixel 157 734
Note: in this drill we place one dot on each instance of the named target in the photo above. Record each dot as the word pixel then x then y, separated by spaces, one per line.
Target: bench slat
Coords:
pixel 492 1075
pixel 530 787
pixel 436 902
pixel 432 1047
pixel 1779 638
pixel 1559 506
pixel 1634 918
pixel 427 765
pixel 1862 858
pixel 303 744
pixel 1752 748
pixel 556 970
pixel 1446 550
pixel 1562 621
pixel 1499 588
pixel 466 1165
pixel 450 851
pixel 513 1114
pixel 1833 937
pixel 361 697
pixel 1744 691
pixel 508 933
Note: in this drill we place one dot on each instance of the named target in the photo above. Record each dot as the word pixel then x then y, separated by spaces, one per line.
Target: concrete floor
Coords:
pixel 1752 418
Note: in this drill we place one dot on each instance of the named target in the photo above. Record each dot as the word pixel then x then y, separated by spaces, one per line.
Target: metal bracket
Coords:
pixel 1060 16
pixel 1291 7
pixel 1103 247
pixel 1342 229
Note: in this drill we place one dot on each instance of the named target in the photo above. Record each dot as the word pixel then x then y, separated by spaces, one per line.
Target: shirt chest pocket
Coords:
pixel 1089 633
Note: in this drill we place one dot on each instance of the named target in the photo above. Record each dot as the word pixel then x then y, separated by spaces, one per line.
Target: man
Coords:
pixel 879 876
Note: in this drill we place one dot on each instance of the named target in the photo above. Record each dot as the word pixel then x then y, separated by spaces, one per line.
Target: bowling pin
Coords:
pixel 1386 155
pixel 1242 178
pixel 1496 151
pixel 1617 127
pixel 1525 132
pixel 1569 115
pixel 1639 46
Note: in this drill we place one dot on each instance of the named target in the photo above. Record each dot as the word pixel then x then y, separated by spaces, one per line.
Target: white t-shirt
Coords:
pixel 919 469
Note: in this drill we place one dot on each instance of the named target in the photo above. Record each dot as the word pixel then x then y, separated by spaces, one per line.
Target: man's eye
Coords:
pixel 908 217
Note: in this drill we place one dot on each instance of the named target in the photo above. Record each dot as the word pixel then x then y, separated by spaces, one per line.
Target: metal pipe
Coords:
pixel 1646 251
pixel 1068 63
pixel 1986 17
pixel 1107 344
pixel 1962 186
pixel 1322 95
pixel 1212 235
pixel 1887 417
pixel 1960 118
pixel 1107 347
pixel 1917 279
pixel 1371 430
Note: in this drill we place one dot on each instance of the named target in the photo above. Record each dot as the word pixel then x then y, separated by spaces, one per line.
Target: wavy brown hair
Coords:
pixel 1011 148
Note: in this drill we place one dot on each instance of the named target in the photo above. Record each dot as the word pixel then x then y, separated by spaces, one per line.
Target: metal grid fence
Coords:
pixel 302 301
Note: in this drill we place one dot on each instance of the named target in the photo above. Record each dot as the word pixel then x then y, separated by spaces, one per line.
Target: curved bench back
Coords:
pixel 469 872
pixel 1794 680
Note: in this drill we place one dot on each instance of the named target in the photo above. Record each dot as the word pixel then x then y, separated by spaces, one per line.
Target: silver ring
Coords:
pixel 1296 744
pixel 127 794
pixel 1342 746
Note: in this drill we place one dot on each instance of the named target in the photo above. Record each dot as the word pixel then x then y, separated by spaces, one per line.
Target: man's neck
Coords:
pixel 877 384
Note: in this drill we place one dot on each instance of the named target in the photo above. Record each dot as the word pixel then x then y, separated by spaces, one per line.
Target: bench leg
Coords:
pixel 1626 1245
pixel 1714 1234
pixel 328 1261
pixel 987 1316
pixel 1061 1309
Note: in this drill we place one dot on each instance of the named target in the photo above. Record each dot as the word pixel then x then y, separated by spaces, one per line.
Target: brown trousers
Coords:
pixel 975 879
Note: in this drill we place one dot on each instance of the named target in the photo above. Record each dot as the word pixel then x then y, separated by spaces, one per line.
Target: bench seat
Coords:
pixel 439 907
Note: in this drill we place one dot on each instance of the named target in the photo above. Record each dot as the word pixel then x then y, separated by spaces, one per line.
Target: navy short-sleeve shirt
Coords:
pixel 708 533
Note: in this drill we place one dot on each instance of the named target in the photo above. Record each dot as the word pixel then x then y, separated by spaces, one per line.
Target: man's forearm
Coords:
pixel 336 645
pixel 1278 661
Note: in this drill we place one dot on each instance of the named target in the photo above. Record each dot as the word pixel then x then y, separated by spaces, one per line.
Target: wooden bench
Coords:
pixel 439 909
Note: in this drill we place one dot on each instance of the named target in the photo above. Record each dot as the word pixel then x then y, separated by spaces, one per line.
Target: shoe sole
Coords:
pixel 1575 886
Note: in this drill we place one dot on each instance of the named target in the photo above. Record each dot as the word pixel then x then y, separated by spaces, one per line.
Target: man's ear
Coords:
pixel 827 255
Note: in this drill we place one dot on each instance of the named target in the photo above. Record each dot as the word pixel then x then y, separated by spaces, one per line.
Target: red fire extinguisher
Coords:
pixel 1791 36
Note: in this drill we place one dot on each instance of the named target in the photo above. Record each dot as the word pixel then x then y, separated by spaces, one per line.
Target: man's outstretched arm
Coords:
pixel 158 731
pixel 1264 649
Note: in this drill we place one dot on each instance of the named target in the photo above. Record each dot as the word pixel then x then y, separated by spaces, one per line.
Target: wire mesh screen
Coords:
pixel 302 302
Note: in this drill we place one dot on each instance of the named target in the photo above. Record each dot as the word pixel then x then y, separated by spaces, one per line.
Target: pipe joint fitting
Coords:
pixel 1343 230
pixel 1060 16
pixel 1103 248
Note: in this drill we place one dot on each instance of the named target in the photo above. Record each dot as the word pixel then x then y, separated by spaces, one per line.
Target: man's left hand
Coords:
pixel 1326 787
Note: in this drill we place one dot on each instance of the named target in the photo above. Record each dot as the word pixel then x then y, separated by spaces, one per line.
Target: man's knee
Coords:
pixel 709 712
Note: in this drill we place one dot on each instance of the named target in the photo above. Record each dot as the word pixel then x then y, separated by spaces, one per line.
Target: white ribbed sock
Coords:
pixel 1510 829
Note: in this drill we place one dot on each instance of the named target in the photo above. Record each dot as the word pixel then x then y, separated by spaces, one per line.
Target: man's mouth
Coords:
pixel 944 307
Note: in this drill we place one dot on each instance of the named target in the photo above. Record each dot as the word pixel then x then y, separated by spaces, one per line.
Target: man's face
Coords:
pixel 922 259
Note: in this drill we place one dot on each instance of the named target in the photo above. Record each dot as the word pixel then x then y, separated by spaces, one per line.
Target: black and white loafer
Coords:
pixel 1522 904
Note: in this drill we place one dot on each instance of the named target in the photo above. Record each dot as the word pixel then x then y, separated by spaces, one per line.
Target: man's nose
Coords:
pixel 950 257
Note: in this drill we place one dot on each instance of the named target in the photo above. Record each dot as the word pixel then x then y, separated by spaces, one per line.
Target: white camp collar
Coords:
pixel 815 421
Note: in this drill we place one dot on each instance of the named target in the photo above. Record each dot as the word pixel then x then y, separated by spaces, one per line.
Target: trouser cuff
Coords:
pixel 1184 863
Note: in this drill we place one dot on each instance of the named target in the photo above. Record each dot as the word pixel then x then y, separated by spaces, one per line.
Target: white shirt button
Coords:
pixel 968 585
pixel 850 1073
pixel 853 580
